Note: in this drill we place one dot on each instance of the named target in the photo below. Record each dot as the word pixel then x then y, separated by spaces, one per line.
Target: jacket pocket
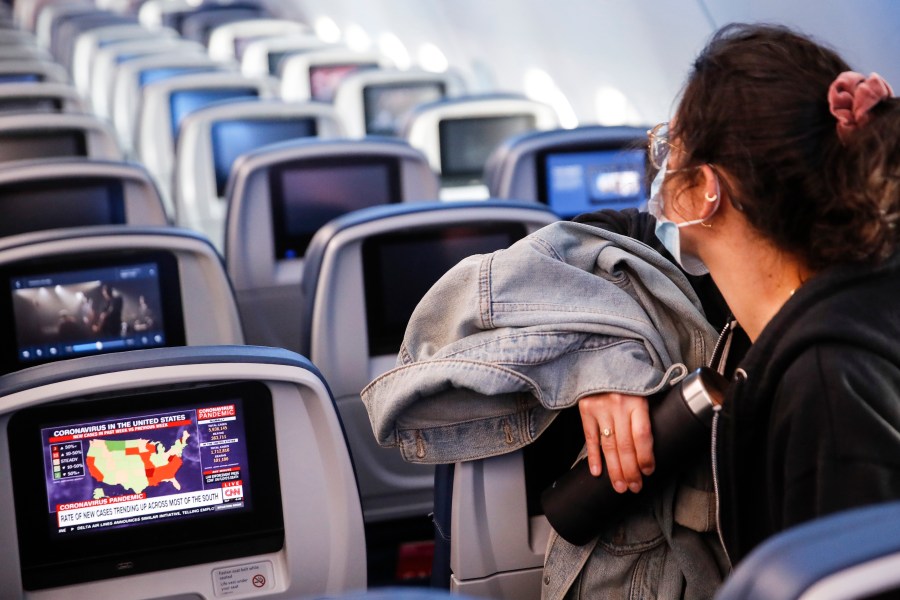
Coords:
pixel 628 562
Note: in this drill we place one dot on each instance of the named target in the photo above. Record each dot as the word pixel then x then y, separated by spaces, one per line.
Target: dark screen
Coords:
pixel 22 145
pixel 184 102
pixel 324 79
pixel 230 139
pixel 275 58
pixel 466 143
pixel 307 194
pixel 25 104
pixel 572 183
pixel 49 205
pixel 399 268
pixel 148 76
pixel 385 106
pixel 20 78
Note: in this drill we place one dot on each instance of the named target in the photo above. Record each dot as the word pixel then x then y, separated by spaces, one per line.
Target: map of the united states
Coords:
pixel 135 464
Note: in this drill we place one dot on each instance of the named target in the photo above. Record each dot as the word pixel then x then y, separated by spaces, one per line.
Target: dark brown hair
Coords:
pixel 756 106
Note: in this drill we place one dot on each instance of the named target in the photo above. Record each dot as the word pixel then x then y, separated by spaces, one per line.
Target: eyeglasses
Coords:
pixel 658 145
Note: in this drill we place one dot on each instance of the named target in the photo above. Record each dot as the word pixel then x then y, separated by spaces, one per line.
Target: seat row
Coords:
pixel 276 201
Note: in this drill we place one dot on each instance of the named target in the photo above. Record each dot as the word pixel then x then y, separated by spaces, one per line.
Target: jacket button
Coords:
pixel 546 580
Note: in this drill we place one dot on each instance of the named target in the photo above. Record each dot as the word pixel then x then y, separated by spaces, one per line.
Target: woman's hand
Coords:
pixel 619 426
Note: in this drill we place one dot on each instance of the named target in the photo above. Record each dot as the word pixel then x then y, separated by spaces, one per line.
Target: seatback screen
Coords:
pixel 230 139
pixel 148 76
pixel 324 79
pixel 163 477
pixel 575 182
pixel 20 78
pixel 34 206
pixel 184 102
pixel 21 145
pixel 465 144
pixel 93 305
pixel 386 105
pixel 400 267
pixel 307 194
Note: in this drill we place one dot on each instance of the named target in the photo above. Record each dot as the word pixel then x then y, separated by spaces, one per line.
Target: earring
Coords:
pixel 712 198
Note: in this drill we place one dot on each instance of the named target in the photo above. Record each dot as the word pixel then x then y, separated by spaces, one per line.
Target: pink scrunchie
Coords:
pixel 850 98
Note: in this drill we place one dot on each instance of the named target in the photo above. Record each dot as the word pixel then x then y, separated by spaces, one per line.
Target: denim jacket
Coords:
pixel 504 340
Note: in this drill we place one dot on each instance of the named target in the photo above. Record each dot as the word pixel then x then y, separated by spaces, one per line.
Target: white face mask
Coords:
pixel 669 232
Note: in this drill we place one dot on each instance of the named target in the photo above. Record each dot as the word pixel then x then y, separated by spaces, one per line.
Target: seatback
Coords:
pixel 315 75
pixel 279 196
pixel 376 101
pixel 37 135
pixel 262 56
pixel 497 530
pixel 108 60
pixel 32 71
pixel 17 37
pixel 41 194
pixel 132 76
pixel 212 138
pixel 166 103
pixel 166 13
pixel 44 15
pixel 363 276
pixel 573 171
pixel 89 43
pixel 850 554
pixel 39 97
pixel 457 135
pixel 24 53
pixel 187 299
pixel 226 41
pixel 198 26
pixel 250 491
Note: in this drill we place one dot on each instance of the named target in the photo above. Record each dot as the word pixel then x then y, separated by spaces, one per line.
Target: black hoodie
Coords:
pixel 811 423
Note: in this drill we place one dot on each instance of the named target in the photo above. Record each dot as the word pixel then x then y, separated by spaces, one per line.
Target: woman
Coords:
pixel 781 175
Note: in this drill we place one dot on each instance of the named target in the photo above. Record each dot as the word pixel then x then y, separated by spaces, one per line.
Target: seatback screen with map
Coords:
pixel 156 476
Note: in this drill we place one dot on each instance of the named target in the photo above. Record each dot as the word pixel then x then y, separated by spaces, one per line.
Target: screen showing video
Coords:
pixel 465 144
pixel 308 194
pixel 35 206
pixel 399 268
pixel 23 145
pixel 386 106
pixel 230 139
pixel 324 79
pixel 82 311
pixel 184 102
pixel 167 478
pixel 579 182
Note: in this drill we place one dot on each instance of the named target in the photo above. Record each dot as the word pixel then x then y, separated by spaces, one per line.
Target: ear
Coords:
pixel 712 193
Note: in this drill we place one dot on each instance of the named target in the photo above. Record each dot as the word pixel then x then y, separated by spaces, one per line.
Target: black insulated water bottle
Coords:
pixel 579 505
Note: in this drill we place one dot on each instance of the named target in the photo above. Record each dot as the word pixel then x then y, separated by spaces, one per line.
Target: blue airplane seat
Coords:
pixel 851 554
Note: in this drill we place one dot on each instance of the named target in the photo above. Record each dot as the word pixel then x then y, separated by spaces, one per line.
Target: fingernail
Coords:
pixel 635 487
pixel 620 486
pixel 595 470
pixel 648 470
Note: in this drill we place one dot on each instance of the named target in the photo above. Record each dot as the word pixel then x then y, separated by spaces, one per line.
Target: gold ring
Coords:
pixel 607 431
